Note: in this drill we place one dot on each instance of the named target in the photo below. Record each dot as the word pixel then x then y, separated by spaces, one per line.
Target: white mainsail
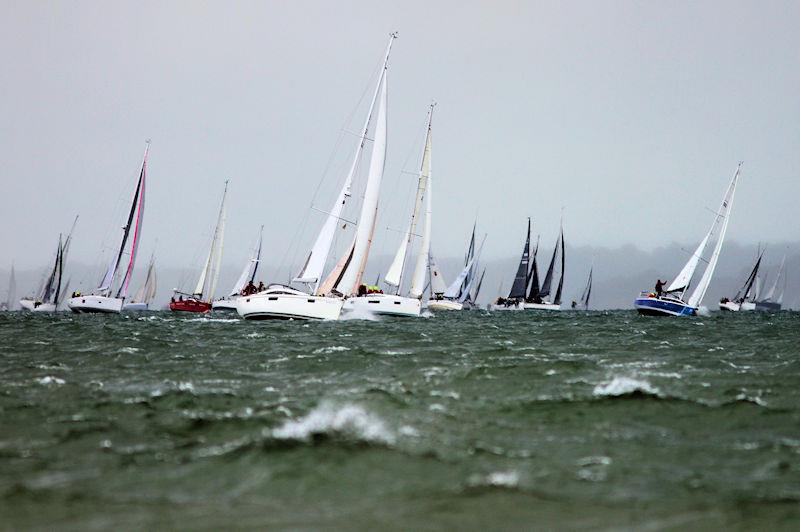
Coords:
pixel 369 208
pixel 438 286
pixel 249 271
pixel 418 277
pixel 147 291
pixel 207 282
pixel 315 263
pixel 722 218
pixel 771 292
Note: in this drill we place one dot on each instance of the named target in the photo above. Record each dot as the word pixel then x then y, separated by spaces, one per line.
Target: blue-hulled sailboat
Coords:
pixel 671 302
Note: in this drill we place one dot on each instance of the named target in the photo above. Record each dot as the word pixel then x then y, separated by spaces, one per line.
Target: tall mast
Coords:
pixel 318 256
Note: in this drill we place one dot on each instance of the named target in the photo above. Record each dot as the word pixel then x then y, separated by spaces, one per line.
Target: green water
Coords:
pixel 461 421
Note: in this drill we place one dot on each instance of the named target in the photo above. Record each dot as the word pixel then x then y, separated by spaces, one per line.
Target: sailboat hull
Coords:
pixel 95 304
pixel 135 307
pixel 656 306
pixel 286 305
pixel 767 306
pixel 31 305
pixel 541 306
pixel 222 305
pixel 444 304
pixel 383 305
pixel 190 305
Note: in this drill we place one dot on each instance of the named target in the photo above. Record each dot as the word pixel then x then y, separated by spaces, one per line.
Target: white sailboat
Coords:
pixel 745 297
pixel 671 302
pixel 770 302
pixel 325 298
pixel 144 296
pixel 396 304
pixel 246 279
pixel 11 294
pixel 462 293
pixel 103 298
pixel 200 299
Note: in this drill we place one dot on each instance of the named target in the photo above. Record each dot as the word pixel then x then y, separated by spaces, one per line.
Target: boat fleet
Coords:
pixel 413 281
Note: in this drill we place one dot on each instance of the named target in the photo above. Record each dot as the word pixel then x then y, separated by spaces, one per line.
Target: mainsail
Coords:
pixel 771 292
pixel 147 291
pixel 136 212
pixel 722 218
pixel 351 277
pixel 207 282
pixel 744 291
pixel 587 292
pixel 557 299
pixel 548 277
pixel 521 279
pixel 315 262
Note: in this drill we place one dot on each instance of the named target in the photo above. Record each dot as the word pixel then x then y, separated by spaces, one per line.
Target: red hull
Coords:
pixel 190 305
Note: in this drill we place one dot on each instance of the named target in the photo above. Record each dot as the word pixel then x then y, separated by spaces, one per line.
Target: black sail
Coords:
pixel 748 284
pixel 127 228
pixel 533 293
pixel 587 292
pixel 548 277
pixel 557 299
pixel 521 279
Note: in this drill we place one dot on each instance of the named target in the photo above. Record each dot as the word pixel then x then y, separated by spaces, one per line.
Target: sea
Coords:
pixel 456 421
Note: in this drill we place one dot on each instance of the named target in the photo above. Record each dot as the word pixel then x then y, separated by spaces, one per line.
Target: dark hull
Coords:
pixel 190 305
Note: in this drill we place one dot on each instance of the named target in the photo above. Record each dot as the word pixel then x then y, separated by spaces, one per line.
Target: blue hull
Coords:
pixel 652 306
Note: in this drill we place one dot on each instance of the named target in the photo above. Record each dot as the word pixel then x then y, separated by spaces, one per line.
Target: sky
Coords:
pixel 626 119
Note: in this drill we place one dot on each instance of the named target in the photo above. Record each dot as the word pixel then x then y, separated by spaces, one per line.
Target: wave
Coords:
pixel 348 420
pixel 626 386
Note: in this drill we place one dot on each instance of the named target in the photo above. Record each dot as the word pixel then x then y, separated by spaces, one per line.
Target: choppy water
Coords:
pixel 461 421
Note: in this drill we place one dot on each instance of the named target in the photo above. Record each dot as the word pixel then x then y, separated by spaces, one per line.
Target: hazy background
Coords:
pixel 631 116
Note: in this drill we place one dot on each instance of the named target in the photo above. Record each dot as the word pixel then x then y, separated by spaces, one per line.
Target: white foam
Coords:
pixel 329 418
pixel 51 380
pixel 331 349
pixel 500 479
pixel 623 386
pixel 358 314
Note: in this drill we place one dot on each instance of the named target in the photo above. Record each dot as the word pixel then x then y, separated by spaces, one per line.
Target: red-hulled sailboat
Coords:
pixel 200 300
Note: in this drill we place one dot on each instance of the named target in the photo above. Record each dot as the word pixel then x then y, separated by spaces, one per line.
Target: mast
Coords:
pixel 520 280
pixel 418 276
pixel 318 256
pixel 722 218
pixel 351 276
pixel 108 280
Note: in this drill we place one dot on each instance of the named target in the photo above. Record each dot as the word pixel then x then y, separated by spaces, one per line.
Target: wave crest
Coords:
pixel 328 419
pixel 626 386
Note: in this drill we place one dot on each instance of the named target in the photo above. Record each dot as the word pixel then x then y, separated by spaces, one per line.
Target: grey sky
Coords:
pixel 631 115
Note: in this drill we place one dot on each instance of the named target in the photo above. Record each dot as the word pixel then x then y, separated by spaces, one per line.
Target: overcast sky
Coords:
pixel 631 116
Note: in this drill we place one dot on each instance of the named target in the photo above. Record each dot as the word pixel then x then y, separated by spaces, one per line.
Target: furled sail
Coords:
pixel 520 280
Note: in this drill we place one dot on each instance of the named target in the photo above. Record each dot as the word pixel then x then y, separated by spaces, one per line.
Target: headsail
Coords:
pixel 438 286
pixel 548 277
pixel 207 282
pixel 249 272
pixel 557 299
pixel 771 292
pixel 587 292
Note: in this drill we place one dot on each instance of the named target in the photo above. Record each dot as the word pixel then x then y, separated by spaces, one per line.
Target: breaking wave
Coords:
pixel 329 419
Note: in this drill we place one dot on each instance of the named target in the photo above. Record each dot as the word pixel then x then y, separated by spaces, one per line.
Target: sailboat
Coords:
pixel 200 299
pixel 144 296
pixel 583 304
pixel 745 297
pixel 245 280
pixel 671 302
pixel 395 304
pixel 770 302
pixel 103 298
pixel 538 297
pixel 518 288
pixel 462 293
pixel 324 297
pixel 11 295
pixel 51 293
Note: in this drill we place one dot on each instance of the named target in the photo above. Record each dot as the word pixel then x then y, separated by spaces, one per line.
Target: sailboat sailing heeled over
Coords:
pixel 103 298
pixel 671 301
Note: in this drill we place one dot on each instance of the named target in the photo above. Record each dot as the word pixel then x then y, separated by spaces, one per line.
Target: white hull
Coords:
pixel 224 304
pixel 91 304
pixel 135 307
pixel 444 304
pixel 540 306
pixel 288 303
pixel 30 304
pixel 736 307
pixel 383 305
